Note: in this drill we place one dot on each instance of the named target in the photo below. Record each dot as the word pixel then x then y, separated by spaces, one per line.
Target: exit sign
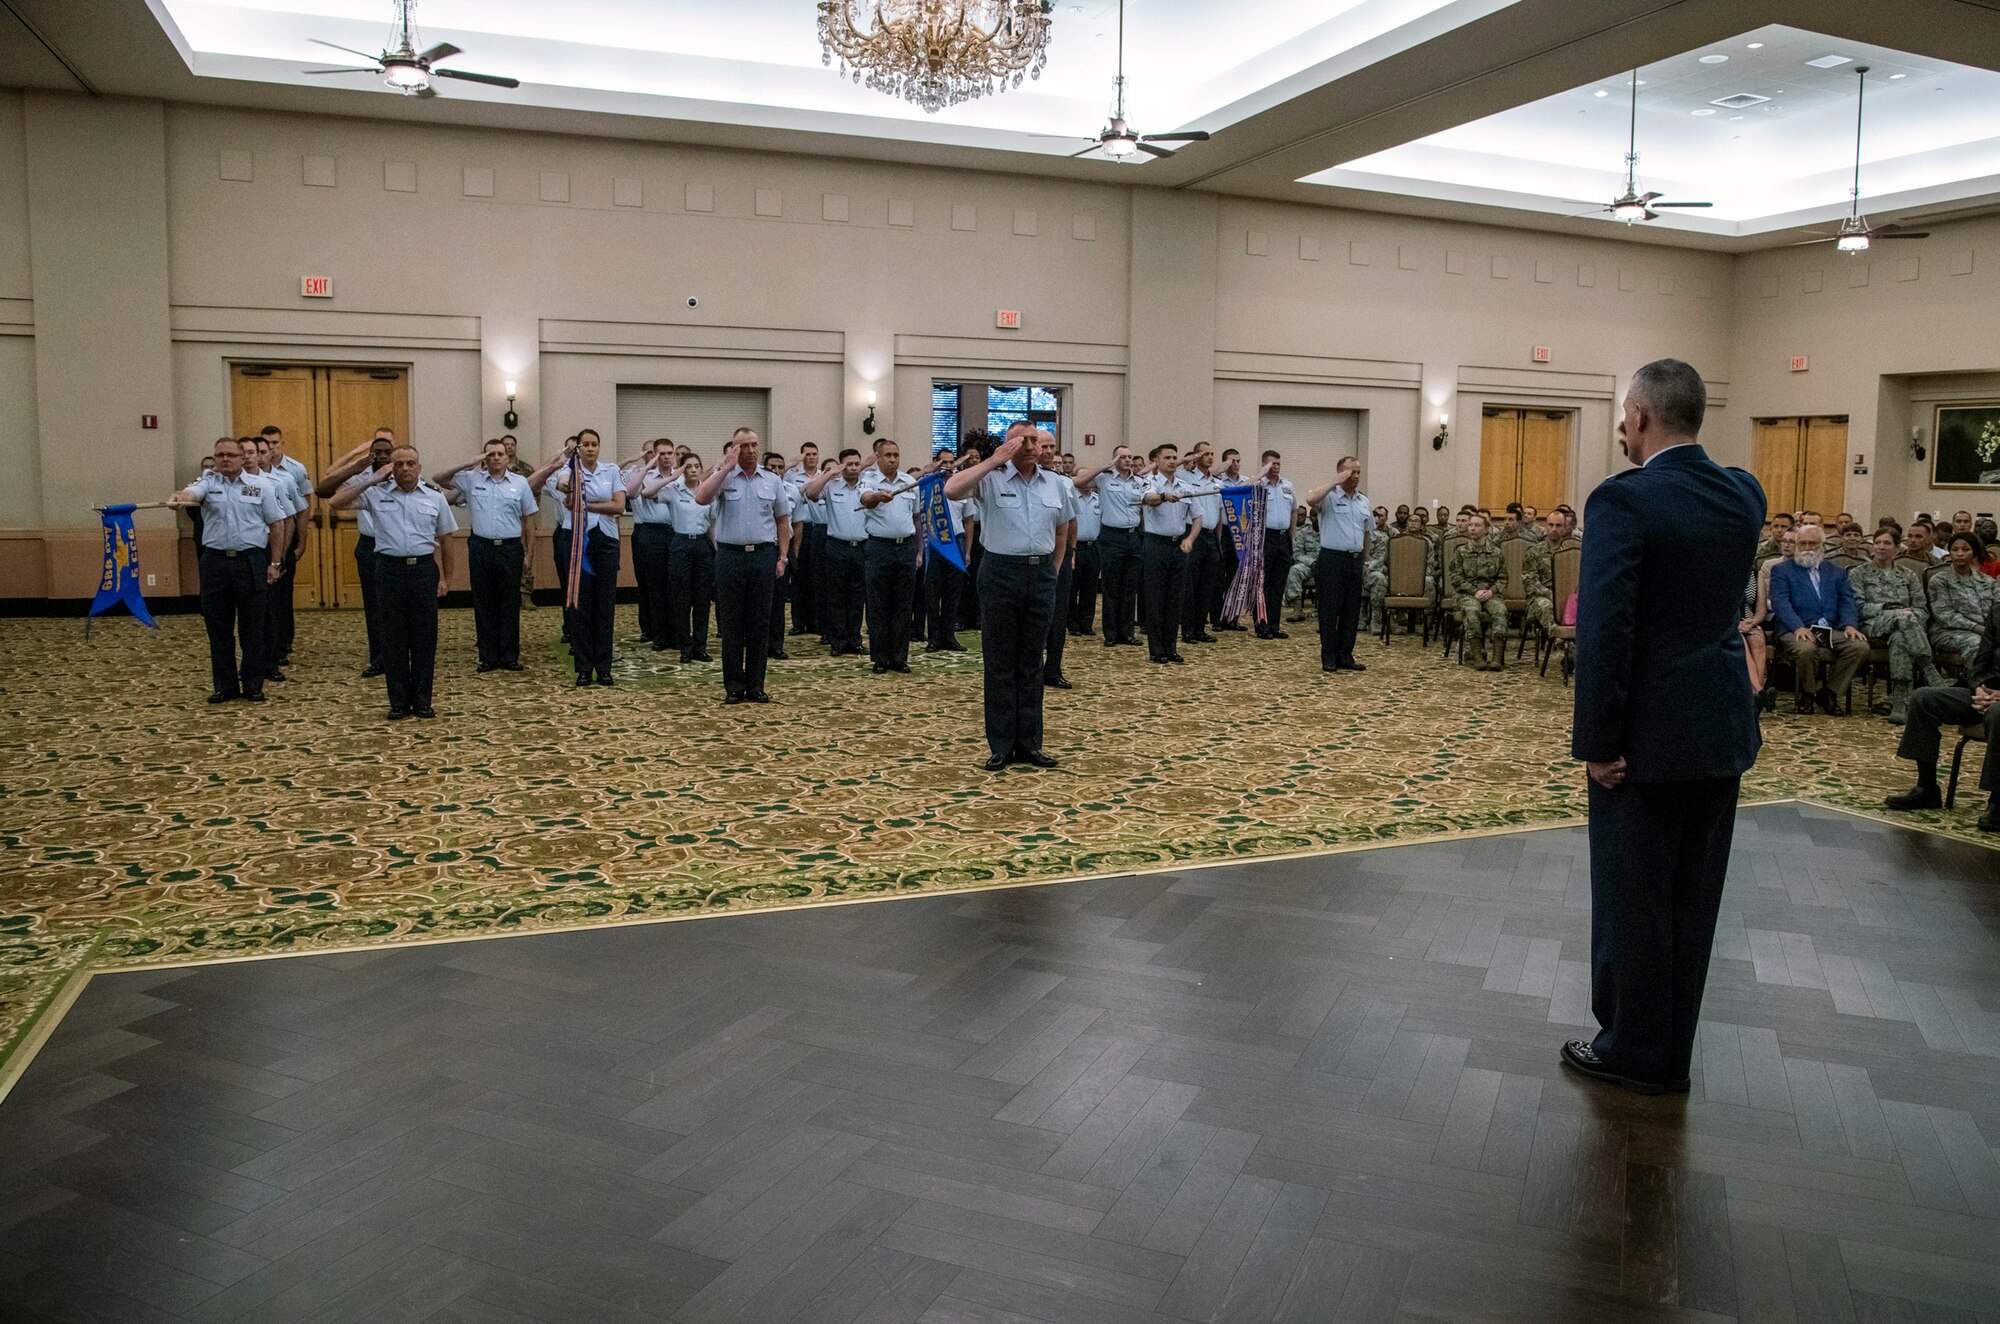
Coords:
pixel 316 287
pixel 1008 319
pixel 1798 363
pixel 1541 353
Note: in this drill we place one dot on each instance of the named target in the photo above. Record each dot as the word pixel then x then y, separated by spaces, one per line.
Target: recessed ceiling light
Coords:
pixel 1715 59
pixel 1703 111
pixel 1734 118
pixel 1830 61
pixel 1756 45
pixel 1894 77
pixel 1600 92
pixel 1642 82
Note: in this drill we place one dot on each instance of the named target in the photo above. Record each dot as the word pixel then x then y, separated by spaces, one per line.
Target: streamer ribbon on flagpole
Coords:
pixel 1243 516
pixel 579 532
pixel 120 580
pixel 935 513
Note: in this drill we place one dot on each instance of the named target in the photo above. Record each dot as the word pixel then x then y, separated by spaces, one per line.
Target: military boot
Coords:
pixel 1497 649
pixel 1899 702
pixel 1932 676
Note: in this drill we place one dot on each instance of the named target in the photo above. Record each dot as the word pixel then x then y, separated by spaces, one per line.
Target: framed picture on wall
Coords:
pixel 1966 452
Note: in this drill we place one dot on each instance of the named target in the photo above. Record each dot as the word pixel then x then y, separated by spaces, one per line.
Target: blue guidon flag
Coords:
pixel 120 580
pixel 934 510
pixel 1243 516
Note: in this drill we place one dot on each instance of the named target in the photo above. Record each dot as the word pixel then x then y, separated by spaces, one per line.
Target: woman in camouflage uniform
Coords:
pixel 1960 598
pixel 1479 577
pixel 1895 613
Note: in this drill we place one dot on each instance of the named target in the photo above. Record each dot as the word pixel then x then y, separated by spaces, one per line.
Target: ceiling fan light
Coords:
pixel 1629 212
pixel 404 75
pixel 1852 243
pixel 1120 146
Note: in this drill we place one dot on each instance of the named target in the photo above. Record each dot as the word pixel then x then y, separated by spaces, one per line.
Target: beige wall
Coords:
pixel 1168 316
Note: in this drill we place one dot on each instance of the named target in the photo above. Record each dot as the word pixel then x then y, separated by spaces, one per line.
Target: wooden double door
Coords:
pixel 1800 462
pixel 325 411
pixel 1524 457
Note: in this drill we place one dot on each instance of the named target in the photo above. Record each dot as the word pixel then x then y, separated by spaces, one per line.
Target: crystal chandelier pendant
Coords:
pixel 936 53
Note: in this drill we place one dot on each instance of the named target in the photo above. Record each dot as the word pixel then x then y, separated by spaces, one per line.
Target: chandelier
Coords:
pixel 936 53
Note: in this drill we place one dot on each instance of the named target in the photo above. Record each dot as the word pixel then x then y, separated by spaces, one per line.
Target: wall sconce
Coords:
pixel 1443 432
pixel 1916 443
pixel 510 420
pixel 868 423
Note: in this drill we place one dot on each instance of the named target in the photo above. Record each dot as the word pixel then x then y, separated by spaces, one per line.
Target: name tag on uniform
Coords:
pixel 1009 498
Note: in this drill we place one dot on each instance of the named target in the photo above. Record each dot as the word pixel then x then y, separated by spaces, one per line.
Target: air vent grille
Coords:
pixel 1738 100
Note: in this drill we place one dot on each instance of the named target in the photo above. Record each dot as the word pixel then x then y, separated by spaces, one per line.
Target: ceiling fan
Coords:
pixel 1632 206
pixel 407 69
pixel 1117 139
pixel 1855 233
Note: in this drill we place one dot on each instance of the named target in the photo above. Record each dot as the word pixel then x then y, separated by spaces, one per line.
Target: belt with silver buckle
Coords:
pixel 412 560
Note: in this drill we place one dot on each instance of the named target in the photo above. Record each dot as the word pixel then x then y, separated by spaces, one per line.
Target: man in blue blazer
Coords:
pixel 1665 724
pixel 1814 607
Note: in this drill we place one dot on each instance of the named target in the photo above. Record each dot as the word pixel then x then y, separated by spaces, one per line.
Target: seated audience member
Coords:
pixel 1988 534
pixel 1305 551
pixel 1813 604
pixel 1961 521
pixel 1479 577
pixel 1918 541
pixel 1976 698
pixel 1852 542
pixel 1756 612
pixel 1896 615
pixel 1960 599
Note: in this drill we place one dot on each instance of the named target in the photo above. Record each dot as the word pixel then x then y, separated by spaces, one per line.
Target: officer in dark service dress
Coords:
pixel 753 529
pixel 1025 520
pixel 411 574
pixel 239 516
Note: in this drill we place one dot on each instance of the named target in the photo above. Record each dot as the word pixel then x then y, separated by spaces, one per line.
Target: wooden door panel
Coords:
pixel 261 396
pixel 1544 459
pixel 357 401
pixel 1823 476
pixel 1775 461
pixel 1499 457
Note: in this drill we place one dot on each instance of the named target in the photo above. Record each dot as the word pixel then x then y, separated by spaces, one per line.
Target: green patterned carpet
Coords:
pixel 145 827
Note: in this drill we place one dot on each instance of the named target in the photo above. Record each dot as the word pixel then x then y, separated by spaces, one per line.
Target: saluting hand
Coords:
pixel 1008 450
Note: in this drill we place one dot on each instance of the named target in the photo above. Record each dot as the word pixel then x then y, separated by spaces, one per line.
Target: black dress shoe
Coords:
pixel 583 682
pixel 1581 1058
pixel 881 668
pixel 1829 702
pixel 1205 638
pixel 1059 683
pixel 285 661
pixel 275 674
pixel 703 657
pixel 485 667
pixel 780 656
pixel 512 666
pixel 370 673
pixel 1130 643
pixel 1803 704
pixel 1917 797
pixel 1989 821
pixel 1277 634
pixel 1111 643
pixel 1767 700
pixel 903 667
pixel 760 697
pixel 253 696
pixel 1353 666
pixel 224 696
pixel 605 679
pixel 933 648
pixel 1177 659
pixel 1036 757
pixel 997 763
pixel 956 647
pixel 398 714
pixel 1162 661
pixel 426 712
pixel 734 698
pixel 659 647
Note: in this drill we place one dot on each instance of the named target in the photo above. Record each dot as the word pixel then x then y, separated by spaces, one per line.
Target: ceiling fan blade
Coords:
pixel 1807 243
pixel 349 49
pixel 372 70
pixel 1648 197
pixel 1151 150
pixel 1594 211
pixel 426 92
pixel 1086 151
pixel 1901 234
pixel 444 50
pixel 1196 137
pixel 1680 204
pixel 493 79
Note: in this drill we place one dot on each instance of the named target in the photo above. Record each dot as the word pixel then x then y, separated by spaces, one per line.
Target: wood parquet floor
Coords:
pixel 1322 1089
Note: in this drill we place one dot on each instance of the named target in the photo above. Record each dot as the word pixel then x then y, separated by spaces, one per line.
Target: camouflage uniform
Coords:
pixel 1375 574
pixel 1959 604
pixel 1305 552
pixel 1894 612
pixel 523 468
pixel 1480 565
pixel 1538 583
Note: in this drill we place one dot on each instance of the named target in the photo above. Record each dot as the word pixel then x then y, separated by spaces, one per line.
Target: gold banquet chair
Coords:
pixel 1568 572
pixel 1514 556
pixel 1967 734
pixel 1406 558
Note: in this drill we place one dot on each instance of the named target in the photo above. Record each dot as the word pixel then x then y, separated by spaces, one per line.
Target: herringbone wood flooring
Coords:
pixel 1323 1089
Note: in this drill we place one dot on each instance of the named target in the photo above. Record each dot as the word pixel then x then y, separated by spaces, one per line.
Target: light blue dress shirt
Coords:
pixel 1207 499
pixel 1344 521
pixel 1088 522
pixel 599 484
pixel 1019 517
pixel 748 506
pixel 842 504
pixel 362 519
pixel 1119 499
pixel 1279 504
pixel 237 514
pixel 896 517
pixel 498 505
pixel 691 518
pixel 1170 518
pixel 408 523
